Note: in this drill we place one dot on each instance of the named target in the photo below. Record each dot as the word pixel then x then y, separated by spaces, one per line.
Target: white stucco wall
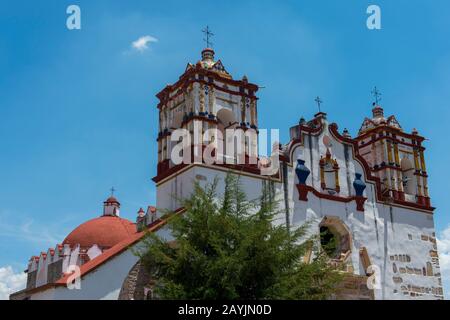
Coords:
pixel 104 282
pixel 180 186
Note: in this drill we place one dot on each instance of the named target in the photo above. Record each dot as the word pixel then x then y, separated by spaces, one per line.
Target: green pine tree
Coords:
pixel 232 249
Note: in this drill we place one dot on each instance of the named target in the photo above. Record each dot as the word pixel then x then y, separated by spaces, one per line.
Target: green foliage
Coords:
pixel 232 248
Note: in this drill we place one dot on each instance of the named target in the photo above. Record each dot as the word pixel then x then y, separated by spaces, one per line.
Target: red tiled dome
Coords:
pixel 105 231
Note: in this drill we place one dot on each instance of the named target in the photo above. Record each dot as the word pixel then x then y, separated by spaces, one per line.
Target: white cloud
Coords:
pixel 11 282
pixel 443 243
pixel 142 43
pixel 28 230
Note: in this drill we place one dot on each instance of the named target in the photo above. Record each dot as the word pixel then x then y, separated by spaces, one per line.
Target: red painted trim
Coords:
pixel 391 139
pixel 304 189
pixel 307 129
pixel 379 168
pixel 188 77
pixel 302 192
pixel 163 134
pixel 396 132
pixel 163 166
pixel 424 205
pixel 164 171
pixel 360 203
pixel 248 168
pixel 203 82
pixel 420 174
pixel 284 158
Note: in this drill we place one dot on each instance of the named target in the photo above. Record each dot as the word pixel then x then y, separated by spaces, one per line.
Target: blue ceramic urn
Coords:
pixel 302 171
pixel 359 185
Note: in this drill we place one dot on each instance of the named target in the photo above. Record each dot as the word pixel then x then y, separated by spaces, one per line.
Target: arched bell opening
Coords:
pixel 226 120
pixel 408 181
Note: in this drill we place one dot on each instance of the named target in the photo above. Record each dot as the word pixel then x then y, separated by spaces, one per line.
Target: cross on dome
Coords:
pixel 111 206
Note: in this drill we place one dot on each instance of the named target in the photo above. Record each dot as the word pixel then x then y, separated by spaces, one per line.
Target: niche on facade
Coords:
pixel 329 171
pixel 335 240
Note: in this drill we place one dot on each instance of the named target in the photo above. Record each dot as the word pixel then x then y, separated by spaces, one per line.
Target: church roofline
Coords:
pixel 105 256
pixel 333 128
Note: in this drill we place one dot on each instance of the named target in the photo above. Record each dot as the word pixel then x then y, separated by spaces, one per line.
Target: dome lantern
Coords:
pixel 111 206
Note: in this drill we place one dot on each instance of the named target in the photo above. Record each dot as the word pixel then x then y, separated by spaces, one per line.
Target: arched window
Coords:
pixel 328 241
pixel 226 120
pixel 335 240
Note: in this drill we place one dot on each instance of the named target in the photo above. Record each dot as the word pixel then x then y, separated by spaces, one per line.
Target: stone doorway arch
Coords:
pixel 137 285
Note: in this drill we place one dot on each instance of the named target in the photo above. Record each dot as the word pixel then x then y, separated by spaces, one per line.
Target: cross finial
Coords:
pixel 319 102
pixel 208 34
pixel 112 191
pixel 377 94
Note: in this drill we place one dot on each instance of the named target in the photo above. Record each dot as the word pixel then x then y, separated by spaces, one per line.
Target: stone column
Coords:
pixel 243 109
pixel 211 100
pixel 252 111
pixel 201 100
pixel 417 168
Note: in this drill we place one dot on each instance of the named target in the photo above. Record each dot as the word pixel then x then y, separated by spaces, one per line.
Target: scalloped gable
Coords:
pixel 393 122
pixel 377 120
pixel 366 125
pixel 218 66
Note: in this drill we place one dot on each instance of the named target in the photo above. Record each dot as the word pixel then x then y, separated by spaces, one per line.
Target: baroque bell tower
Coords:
pixel 395 157
pixel 205 97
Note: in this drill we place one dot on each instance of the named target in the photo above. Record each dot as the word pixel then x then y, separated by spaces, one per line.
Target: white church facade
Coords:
pixel 369 192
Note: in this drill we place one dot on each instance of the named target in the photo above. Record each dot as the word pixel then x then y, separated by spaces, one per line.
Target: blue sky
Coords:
pixel 78 108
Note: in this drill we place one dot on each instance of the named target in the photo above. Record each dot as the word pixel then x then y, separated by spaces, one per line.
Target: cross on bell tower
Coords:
pixel 377 95
pixel 208 35
pixel 319 102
